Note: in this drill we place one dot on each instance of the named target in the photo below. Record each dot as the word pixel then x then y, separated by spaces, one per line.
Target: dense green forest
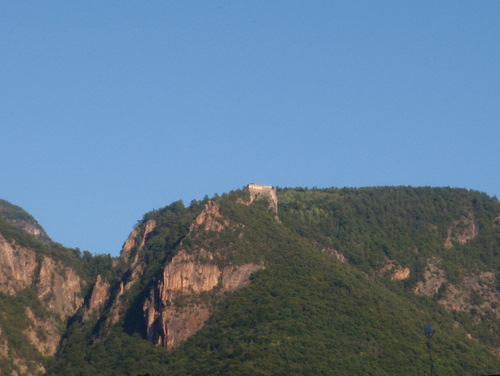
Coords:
pixel 324 304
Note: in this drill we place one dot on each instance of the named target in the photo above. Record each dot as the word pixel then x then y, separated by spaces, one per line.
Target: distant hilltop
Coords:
pixel 24 221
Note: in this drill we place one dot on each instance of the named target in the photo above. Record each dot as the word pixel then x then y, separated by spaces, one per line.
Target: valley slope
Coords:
pixel 271 281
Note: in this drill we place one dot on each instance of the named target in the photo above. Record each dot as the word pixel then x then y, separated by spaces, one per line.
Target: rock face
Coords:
pixel 100 294
pixel 132 247
pixel 175 309
pixel 136 240
pixel 434 278
pixel 401 274
pixel 17 267
pixel 181 302
pixel 49 343
pixel 333 252
pixel 475 292
pixel 478 292
pixel 98 297
pixel 58 289
pixel 58 286
pixel 461 231
pixel 210 218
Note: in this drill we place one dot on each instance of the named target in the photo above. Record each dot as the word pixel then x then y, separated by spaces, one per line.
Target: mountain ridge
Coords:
pixel 23 220
pixel 248 283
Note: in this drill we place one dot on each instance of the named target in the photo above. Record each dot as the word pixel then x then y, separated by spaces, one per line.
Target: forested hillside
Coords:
pixel 266 281
pixel 23 220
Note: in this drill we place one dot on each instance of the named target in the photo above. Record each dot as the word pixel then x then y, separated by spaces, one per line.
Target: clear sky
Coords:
pixel 109 109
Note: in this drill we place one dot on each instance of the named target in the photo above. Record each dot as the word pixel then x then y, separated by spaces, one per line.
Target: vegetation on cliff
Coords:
pixel 349 278
pixel 42 284
pixel 22 220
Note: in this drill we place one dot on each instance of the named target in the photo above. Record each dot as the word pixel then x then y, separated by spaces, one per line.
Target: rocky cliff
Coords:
pixel 17 267
pixel 51 293
pixel 307 288
pixel 57 286
pixel 182 300
pixel 176 308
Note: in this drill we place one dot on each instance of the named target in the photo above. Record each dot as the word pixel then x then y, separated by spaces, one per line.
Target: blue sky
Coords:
pixel 110 109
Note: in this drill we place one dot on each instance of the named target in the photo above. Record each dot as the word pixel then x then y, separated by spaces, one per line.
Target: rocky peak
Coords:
pixel 210 219
pixel 136 239
pixel 98 297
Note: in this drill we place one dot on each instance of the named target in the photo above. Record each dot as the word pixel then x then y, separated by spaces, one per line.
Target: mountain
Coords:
pixel 42 286
pixel 266 281
pixel 22 220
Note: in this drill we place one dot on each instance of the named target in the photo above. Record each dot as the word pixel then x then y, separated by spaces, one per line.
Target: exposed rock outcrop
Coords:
pixel 129 244
pixel 136 240
pixel 434 278
pixel 333 252
pixel 116 310
pixel 58 286
pixel 58 289
pixel 399 273
pixel 148 229
pixel 461 231
pixel 4 346
pixel 477 292
pixel 210 218
pixel 98 297
pixel 43 334
pixel 175 309
pixel 17 267
pixel 496 221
